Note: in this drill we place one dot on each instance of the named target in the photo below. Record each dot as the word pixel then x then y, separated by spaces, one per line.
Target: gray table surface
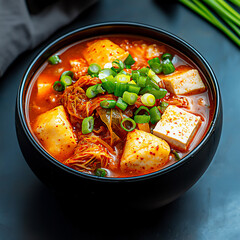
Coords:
pixel 209 210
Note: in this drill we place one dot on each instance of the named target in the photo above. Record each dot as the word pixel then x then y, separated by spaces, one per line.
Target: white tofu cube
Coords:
pixel 177 127
pixel 104 51
pixel 43 89
pixel 55 133
pixel 144 152
pixel 44 85
pixel 184 82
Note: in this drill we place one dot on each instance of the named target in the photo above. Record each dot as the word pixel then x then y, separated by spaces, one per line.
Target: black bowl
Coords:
pixel 145 192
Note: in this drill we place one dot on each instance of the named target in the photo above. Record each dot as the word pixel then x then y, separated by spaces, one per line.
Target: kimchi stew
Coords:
pixel 119 106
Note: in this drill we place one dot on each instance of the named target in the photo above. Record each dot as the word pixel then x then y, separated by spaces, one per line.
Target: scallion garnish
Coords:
pixel 144 71
pixel 153 76
pixel 101 172
pixel 155 115
pixel 142 108
pixel 141 81
pixel 122 78
pixel 100 89
pixel 141 118
pixel 129 123
pixel 148 99
pixel 130 98
pixel 135 75
pixel 66 80
pixel 92 91
pixel 58 86
pixel 108 84
pixel 87 125
pixel 53 60
pixel 129 60
pixel 121 104
pixel 67 73
pixel 133 88
pixel 108 103
pixel 153 84
pixel 94 68
pixel 106 72
pixel 176 155
pixel 163 106
pixel 158 93
pixel 155 65
pixel 167 67
pixel 120 88
pixel 117 65
pixel 167 56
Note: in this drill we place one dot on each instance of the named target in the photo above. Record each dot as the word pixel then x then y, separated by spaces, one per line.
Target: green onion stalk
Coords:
pixel 223 9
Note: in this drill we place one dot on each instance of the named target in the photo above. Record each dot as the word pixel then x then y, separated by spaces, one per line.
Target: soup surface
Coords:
pixel 119 106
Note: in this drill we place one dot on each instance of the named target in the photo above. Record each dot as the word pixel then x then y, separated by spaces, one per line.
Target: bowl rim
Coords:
pixel 45 154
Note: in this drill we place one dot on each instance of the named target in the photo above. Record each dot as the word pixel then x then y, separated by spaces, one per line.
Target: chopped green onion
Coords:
pixel 153 76
pixel 58 86
pixel 133 88
pixel 155 65
pixel 148 99
pixel 121 104
pixel 106 72
pixel 176 155
pixel 53 60
pixel 129 60
pixel 101 172
pixel 122 78
pixel 87 125
pixel 117 65
pixel 110 78
pixel 130 98
pixel 144 71
pixel 92 91
pixel 154 60
pixel 108 103
pixel 128 120
pixel 135 75
pixel 142 108
pixel 141 118
pixel 141 82
pixel 158 94
pixel 94 75
pixel 120 88
pixel 108 84
pixel 67 73
pixel 66 80
pixel 152 83
pixel 147 89
pixel 155 115
pixel 124 72
pixel 100 89
pixel 94 68
pixel 163 106
pixel 167 56
pixel 168 67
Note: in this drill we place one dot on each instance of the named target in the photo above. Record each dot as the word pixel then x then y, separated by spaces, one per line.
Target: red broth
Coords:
pixel 200 104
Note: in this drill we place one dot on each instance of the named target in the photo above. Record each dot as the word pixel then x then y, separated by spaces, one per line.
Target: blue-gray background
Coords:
pixel 209 210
